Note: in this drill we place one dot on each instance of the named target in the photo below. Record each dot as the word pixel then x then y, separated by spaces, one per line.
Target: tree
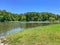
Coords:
pixel 52 19
pixel 29 16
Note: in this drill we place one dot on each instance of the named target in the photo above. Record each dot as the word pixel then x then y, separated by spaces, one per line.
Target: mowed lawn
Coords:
pixel 44 35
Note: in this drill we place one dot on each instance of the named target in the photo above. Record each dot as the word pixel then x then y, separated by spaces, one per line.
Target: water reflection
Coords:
pixel 9 27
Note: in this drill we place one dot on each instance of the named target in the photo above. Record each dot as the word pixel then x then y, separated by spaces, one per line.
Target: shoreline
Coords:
pixel 39 33
pixel 34 21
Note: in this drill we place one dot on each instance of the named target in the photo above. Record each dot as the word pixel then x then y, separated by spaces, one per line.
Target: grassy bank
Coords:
pixel 45 35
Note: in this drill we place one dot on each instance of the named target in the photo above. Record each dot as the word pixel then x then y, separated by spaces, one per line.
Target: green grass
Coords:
pixel 44 35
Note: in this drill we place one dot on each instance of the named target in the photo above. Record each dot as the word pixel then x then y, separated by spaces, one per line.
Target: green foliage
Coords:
pixel 29 16
pixel 52 19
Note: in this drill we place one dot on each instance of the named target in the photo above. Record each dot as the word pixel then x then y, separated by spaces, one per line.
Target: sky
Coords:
pixel 22 6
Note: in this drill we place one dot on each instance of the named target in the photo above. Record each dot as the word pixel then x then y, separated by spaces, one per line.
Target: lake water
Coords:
pixel 10 27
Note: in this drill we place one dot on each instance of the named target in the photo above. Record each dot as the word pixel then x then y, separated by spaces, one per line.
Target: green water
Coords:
pixel 10 27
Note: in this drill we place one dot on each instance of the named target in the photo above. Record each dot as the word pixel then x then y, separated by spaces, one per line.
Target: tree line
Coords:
pixel 29 16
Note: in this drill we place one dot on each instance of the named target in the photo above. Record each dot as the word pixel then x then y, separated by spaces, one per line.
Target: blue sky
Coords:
pixel 22 6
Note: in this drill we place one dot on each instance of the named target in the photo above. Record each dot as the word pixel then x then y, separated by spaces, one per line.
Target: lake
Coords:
pixel 10 27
